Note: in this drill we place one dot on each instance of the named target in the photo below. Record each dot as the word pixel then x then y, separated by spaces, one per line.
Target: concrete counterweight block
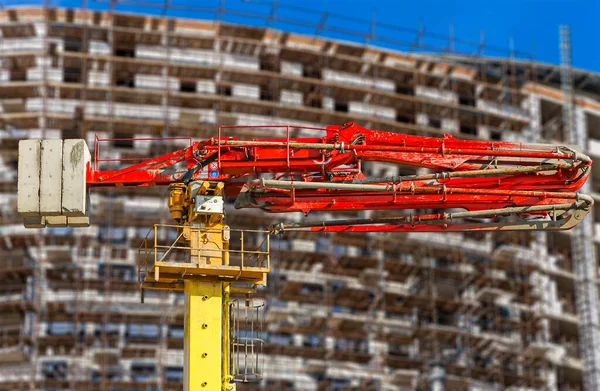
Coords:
pixel 75 158
pixel 34 221
pixel 56 221
pixel 82 221
pixel 52 189
pixel 51 178
pixel 28 182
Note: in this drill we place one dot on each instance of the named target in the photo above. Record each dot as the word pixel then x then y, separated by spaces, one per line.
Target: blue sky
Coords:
pixel 531 25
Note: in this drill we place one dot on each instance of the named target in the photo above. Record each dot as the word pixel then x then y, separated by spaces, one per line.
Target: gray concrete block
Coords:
pixel 28 182
pixel 79 221
pixel 56 221
pixel 34 221
pixel 76 156
pixel 51 178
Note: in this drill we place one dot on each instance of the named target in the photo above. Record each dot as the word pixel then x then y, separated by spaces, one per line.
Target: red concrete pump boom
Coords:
pixel 496 185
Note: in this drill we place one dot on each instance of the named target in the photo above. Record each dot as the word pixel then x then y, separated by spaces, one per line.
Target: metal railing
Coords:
pixel 267 135
pixel 98 141
pixel 323 24
pixel 166 245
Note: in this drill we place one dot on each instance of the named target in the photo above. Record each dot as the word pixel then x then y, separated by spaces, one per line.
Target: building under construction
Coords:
pixel 474 311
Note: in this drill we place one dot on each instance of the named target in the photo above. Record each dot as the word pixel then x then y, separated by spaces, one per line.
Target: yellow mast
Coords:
pixel 207 275
pixel 202 336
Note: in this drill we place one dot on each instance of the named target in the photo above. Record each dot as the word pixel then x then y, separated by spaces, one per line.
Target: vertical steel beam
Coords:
pixel 202 335
pixel 566 83
pixel 583 251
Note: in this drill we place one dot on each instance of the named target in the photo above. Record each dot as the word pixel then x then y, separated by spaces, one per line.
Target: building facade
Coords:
pixel 343 312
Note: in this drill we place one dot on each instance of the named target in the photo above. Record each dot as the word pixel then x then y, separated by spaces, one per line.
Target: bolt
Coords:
pixel 204 298
pixel 204 325
pixel 204 384
pixel 204 355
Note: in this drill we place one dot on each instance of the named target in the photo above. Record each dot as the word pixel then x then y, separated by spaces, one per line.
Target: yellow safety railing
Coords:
pixel 166 245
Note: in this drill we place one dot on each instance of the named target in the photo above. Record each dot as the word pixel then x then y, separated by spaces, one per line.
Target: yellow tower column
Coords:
pixel 202 335
pixel 199 208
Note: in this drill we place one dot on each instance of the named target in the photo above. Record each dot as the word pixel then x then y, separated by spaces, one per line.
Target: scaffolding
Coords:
pixel 494 310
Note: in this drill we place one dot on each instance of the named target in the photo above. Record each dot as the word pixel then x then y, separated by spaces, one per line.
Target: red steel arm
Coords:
pixel 325 173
